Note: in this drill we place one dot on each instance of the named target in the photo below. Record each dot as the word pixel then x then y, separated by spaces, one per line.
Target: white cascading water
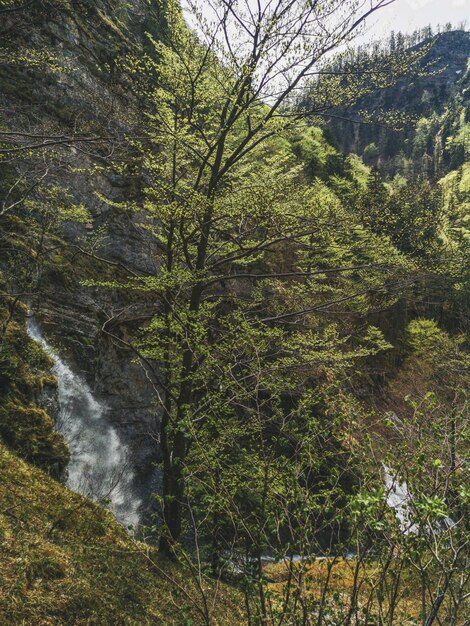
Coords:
pixel 99 461
pixel 399 499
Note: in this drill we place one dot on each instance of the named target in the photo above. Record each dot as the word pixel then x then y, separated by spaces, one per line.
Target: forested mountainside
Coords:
pixel 427 134
pixel 235 316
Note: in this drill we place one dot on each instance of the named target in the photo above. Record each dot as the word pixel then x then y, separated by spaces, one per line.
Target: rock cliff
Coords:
pixel 59 80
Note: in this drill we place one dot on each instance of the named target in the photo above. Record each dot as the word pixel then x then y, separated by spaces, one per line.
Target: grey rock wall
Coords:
pixel 86 96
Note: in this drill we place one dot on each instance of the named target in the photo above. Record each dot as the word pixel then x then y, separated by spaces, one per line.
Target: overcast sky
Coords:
pixel 406 15
pixel 403 15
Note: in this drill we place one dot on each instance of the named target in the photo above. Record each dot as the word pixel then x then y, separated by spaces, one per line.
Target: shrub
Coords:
pixel 425 338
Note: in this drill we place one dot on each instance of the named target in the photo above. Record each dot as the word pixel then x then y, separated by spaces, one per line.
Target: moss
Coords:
pixel 66 561
pixel 47 562
pixel 24 362
pixel 5 533
pixel 30 431
pixel 25 371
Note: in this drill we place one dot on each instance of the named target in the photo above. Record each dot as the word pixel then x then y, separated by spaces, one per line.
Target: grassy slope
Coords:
pixel 64 560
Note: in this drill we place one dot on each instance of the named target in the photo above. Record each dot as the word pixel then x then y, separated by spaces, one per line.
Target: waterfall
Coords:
pixel 99 466
pixel 399 499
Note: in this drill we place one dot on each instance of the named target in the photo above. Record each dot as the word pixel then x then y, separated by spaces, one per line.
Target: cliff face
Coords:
pixel 83 94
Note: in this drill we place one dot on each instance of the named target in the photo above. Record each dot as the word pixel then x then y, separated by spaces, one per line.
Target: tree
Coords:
pixel 400 41
pixel 216 196
pixel 412 216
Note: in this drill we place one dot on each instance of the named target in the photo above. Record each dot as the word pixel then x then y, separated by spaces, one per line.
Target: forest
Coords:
pixel 234 315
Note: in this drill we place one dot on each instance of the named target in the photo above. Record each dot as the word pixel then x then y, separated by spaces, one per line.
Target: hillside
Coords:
pixel 66 561
pixel 431 101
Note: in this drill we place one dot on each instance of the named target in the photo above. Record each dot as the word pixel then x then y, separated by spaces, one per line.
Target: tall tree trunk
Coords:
pixel 175 456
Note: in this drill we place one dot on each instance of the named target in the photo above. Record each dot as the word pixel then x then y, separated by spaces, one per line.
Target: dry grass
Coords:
pixel 339 576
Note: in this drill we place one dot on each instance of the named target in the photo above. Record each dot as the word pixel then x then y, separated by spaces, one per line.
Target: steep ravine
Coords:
pixel 112 378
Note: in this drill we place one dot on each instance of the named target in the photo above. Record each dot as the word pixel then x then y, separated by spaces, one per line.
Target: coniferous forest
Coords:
pixel 234 315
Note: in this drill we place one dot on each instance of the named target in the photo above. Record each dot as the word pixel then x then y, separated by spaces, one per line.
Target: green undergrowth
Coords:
pixel 66 560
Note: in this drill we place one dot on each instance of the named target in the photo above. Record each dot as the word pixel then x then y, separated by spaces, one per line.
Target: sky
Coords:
pixel 406 15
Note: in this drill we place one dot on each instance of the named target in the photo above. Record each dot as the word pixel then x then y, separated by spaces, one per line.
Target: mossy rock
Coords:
pixel 24 366
pixel 25 371
pixel 30 431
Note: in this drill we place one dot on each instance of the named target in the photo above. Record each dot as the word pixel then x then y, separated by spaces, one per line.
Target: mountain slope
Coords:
pixel 441 87
pixel 66 560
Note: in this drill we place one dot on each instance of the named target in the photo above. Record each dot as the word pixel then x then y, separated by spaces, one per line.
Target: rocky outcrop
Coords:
pixel 29 402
